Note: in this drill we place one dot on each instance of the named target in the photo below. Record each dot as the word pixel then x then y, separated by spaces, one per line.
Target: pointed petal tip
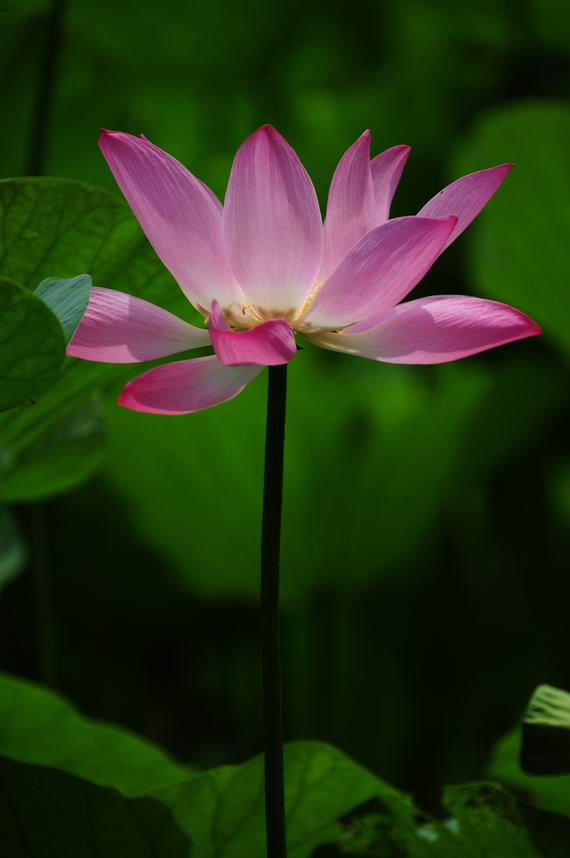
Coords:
pixel 266 130
pixel 106 137
pixel 533 329
pixel 502 169
pixel 400 150
pixel 365 139
pixel 124 398
pixel 528 327
pixel 128 399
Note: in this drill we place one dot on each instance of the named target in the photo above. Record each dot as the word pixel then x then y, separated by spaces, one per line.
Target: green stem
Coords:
pixel 270 545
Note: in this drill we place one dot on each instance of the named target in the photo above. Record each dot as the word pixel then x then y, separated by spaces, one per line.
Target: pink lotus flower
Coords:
pixel 264 266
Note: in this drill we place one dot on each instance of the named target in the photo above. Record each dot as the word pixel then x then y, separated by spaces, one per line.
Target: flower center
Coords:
pixel 243 317
pixel 249 316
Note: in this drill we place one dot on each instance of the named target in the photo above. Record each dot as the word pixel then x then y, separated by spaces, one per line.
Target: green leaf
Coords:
pixel 12 550
pixel 67 456
pixel 38 727
pixel 32 346
pixel 49 814
pixel 551 793
pixel 52 225
pixel 518 247
pixel 222 809
pixel 68 299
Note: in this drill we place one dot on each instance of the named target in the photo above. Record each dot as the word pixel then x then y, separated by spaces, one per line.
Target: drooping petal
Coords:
pixel 269 344
pixel 386 170
pixel 465 197
pixel 383 267
pixel 272 224
pixel 437 329
pixel 119 328
pixel 181 218
pixel 351 205
pixel 186 386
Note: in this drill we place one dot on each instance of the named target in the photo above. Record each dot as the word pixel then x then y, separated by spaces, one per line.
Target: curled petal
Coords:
pixel 269 344
pixel 379 271
pixel 466 197
pixel 186 386
pixel 272 223
pixel 386 169
pixel 437 329
pixel 351 205
pixel 180 216
pixel 119 328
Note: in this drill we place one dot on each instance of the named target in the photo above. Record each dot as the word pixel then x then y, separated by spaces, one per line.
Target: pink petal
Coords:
pixel 181 218
pixel 272 224
pixel 119 328
pixel 437 329
pixel 269 344
pixel 466 197
pixel 383 267
pixel 186 386
pixel 351 206
pixel 386 170
pixel 209 191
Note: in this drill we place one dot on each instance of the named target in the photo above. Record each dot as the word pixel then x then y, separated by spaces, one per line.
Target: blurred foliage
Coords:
pixel 12 548
pixel 426 509
pixel 373 415
pixel 64 457
pixel 522 253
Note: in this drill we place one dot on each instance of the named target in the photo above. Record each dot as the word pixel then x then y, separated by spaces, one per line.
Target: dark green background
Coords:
pixel 425 571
